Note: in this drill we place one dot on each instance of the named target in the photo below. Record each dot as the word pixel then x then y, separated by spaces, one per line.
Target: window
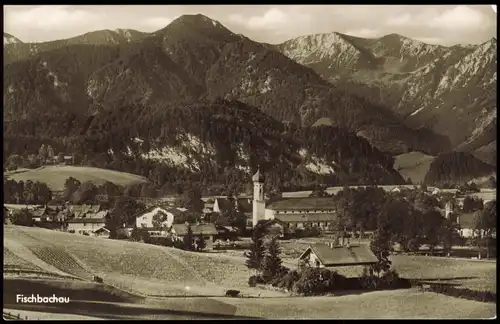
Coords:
pixel 143 224
pixel 206 237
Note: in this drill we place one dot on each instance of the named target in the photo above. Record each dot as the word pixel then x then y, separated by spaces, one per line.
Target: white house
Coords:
pixel 144 219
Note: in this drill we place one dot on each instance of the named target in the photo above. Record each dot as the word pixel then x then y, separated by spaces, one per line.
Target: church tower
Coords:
pixel 259 205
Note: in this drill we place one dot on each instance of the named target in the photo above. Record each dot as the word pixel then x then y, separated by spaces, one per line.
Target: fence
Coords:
pixel 10 316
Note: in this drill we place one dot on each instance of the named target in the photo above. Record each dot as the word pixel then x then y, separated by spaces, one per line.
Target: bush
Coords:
pixel 482 296
pixel 286 280
pixel 71 231
pixel 314 281
pixel 391 280
pixel 178 244
pixel 85 233
pixel 255 279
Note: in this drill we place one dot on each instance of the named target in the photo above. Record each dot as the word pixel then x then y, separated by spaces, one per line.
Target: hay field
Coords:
pixel 55 175
pixel 396 304
pixel 142 268
pixel 159 272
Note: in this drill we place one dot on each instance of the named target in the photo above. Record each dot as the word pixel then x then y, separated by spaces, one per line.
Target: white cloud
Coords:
pixel 399 20
pixel 50 18
pixel 157 22
pixel 459 18
pixel 272 19
pixel 430 40
pixel 364 33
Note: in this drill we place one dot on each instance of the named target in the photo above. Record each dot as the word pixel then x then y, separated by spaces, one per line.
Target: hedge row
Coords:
pixel 465 293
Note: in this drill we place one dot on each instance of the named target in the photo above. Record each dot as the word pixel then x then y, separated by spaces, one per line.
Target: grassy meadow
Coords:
pixel 153 282
pixel 55 176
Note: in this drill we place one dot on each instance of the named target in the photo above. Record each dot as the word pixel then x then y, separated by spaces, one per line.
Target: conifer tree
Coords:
pixel 272 263
pixel 257 250
pixel 188 239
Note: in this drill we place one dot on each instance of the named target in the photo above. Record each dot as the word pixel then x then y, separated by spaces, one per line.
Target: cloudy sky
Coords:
pixel 446 25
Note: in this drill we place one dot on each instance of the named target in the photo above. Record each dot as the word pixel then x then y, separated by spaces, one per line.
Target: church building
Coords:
pixel 293 212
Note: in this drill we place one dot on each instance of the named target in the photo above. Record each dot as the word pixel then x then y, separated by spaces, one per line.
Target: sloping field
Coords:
pixel 472 274
pixel 155 270
pixel 413 165
pixel 396 304
pixel 149 269
pixel 55 176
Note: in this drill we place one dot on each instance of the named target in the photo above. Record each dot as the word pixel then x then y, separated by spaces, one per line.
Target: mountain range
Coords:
pixel 324 82
pixel 451 90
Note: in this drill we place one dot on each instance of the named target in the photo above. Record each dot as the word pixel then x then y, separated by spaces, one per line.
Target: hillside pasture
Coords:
pixel 396 304
pixel 148 269
pixel 55 176
pixel 153 282
pixel 413 165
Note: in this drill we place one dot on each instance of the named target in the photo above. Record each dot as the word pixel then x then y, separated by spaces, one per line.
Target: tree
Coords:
pixel 140 234
pixel 50 152
pixel 148 190
pixel 485 226
pixel 256 253
pixel 60 157
pixel 492 182
pixel 191 199
pixel 271 263
pixel 432 226
pixel 472 204
pixel 70 186
pixel 85 194
pixel 123 213
pixel 22 217
pixel 159 221
pixel 201 243
pixel 42 151
pixel 188 239
pixel 41 193
pixel 381 242
pixel 14 161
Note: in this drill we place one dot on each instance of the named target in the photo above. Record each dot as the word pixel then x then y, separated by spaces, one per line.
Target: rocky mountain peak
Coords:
pixel 9 39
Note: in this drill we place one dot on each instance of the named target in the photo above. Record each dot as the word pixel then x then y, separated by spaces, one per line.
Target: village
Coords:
pixel 223 221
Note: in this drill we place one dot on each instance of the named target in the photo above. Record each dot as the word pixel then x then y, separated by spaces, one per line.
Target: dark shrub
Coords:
pixel 97 279
pixel 255 279
pixel 85 233
pixel 121 236
pixel 232 293
pixel 389 279
pixel 312 282
pixel 71 231
pixel 287 281
pixel 178 244
pixel 482 296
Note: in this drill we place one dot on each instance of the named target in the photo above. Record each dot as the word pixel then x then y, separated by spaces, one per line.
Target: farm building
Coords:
pixel 226 232
pixel 243 205
pixel 101 232
pixel 179 231
pixel 85 225
pixel 294 212
pixel 332 256
pixel 144 219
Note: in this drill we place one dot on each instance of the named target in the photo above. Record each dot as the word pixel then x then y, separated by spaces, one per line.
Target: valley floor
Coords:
pixel 151 282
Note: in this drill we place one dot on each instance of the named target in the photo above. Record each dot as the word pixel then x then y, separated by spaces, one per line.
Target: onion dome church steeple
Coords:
pixel 258 177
